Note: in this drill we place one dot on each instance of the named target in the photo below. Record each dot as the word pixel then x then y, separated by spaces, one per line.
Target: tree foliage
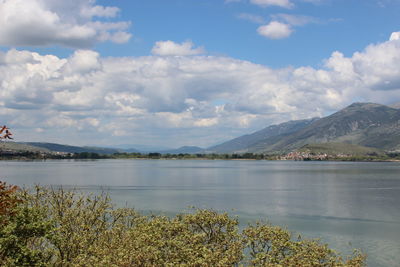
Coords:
pixel 24 231
pixel 8 199
pixel 56 227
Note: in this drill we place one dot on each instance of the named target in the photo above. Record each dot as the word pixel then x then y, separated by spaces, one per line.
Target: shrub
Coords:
pixel 8 200
pixel 24 230
pixel 55 227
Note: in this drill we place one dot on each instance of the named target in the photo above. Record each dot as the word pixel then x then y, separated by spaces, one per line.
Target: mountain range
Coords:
pixel 70 149
pixel 362 126
pixel 255 141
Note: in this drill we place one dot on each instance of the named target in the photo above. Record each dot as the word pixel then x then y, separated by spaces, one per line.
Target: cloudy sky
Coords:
pixel 189 72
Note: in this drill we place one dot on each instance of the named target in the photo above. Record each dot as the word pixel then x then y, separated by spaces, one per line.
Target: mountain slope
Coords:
pixel 72 149
pixel 243 143
pixel 395 105
pixel 339 148
pixel 184 150
pixel 365 124
pixel 19 147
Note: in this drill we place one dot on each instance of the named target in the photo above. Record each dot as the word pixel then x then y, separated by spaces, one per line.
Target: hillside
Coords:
pixel 184 150
pixel 395 105
pixel 364 124
pixel 245 143
pixel 72 149
pixel 20 147
pixel 338 148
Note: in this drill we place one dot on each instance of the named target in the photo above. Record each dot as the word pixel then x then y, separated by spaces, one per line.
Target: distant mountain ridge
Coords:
pixel 395 105
pixel 140 148
pixel 72 149
pixel 245 143
pixel 365 124
pixel 21 147
pixel 184 150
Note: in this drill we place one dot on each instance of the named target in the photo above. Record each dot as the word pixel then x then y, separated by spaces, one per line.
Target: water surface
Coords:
pixel 349 205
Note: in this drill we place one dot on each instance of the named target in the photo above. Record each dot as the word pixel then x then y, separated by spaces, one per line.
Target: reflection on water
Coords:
pixel 347 204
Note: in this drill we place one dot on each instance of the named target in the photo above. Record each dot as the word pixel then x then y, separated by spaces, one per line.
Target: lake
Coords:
pixel 348 204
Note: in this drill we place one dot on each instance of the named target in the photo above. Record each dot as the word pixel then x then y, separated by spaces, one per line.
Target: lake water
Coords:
pixel 349 205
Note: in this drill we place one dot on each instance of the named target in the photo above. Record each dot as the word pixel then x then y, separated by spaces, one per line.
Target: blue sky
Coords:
pixel 225 28
pixel 187 72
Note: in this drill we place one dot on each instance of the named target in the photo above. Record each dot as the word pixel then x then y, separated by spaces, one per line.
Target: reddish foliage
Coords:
pixel 8 199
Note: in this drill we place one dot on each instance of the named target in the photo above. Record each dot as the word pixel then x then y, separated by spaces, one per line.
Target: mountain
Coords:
pixel 364 124
pixel 246 143
pixel 395 105
pixel 339 148
pixel 368 127
pixel 134 148
pixel 130 150
pixel 72 149
pixel 184 150
pixel 20 147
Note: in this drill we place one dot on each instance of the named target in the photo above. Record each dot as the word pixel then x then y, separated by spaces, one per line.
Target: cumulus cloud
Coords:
pixel 89 99
pixel 282 25
pixel 65 23
pixel 170 48
pixel 395 36
pixel 275 30
pixel 295 20
pixel 266 3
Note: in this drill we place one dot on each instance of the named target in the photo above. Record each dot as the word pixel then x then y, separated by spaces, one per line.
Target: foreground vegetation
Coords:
pixel 54 227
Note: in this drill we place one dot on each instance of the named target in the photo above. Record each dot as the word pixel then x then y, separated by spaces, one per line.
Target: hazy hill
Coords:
pixel 246 143
pixel 184 150
pixel 20 147
pixel 395 105
pixel 72 149
pixel 365 124
pixel 140 148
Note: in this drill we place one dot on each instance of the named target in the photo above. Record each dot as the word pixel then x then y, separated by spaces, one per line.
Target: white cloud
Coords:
pixel 99 11
pixel 266 3
pixel 66 23
pixel 89 99
pixel 282 25
pixel 295 20
pixel 395 36
pixel 372 65
pixel 275 30
pixel 82 61
pixel 206 122
pixel 169 48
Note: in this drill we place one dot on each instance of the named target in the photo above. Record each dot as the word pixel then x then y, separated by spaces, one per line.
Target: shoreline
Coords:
pixel 194 158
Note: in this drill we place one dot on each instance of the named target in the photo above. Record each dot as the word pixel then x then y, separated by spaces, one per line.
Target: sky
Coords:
pixel 170 73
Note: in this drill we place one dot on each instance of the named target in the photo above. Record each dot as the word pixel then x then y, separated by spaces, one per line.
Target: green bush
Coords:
pixel 24 231
pixel 67 228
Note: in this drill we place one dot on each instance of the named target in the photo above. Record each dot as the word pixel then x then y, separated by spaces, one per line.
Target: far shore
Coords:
pixel 157 156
